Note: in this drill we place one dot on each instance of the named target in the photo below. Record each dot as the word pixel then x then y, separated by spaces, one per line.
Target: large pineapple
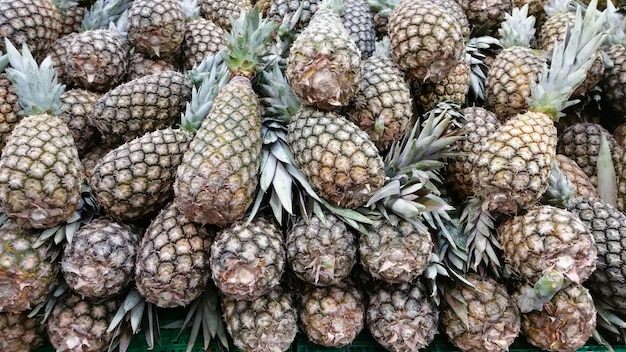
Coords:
pixel 40 171
pixel 218 175
pixel 513 168
pixel 172 266
pixel 156 27
pixel 323 66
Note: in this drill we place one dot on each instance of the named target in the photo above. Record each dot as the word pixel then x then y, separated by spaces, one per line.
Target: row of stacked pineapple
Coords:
pixel 301 174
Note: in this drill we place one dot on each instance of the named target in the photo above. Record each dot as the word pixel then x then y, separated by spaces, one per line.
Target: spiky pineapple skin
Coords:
pixel 266 323
pixel 40 173
pixel 71 19
pixel 202 38
pixel 100 260
pixel 426 41
pixel 248 260
pixel 321 253
pixel 608 227
pixel 332 316
pixel 58 54
pixel 9 109
pixel 80 325
pixel 137 177
pixel 508 82
pixel 383 103
pixel 172 267
pixel 283 11
pixel 146 104
pixel 402 318
pixel 358 19
pixel 453 88
pixel 76 107
pixel 512 170
pixel 156 27
pixel 489 13
pixel 324 63
pixel 565 323
pixel 140 65
pixel 221 11
pixel 219 172
pixel 339 160
pixel 27 274
pixel 395 253
pixel 546 237
pixel 613 83
pixel 494 320
pixel 33 22
pixel 97 59
pixel 19 333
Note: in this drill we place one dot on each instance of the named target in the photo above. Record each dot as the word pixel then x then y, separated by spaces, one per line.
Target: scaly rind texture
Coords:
pixel 156 28
pixel 511 172
pixel 493 319
pixel 140 65
pixel 453 88
pixel 137 177
pixel 608 227
pixel 580 181
pixel 426 41
pixel 324 63
pixel 395 254
pixel 219 172
pixel 383 103
pixel 332 316
pixel 76 107
pixel 565 323
pixel 248 260
pixel 546 237
pixel 40 173
pixel 613 81
pixel 339 160
pixel 402 318
pixel 77 325
pixel 202 38
pixel 265 324
pixel 221 11
pixel 508 82
pixel 97 59
pixel 9 109
pixel 321 253
pixel 143 105
pixel 358 19
pixel 27 275
pixel 100 261
pixel 34 22
pixel 19 333
pixel 172 267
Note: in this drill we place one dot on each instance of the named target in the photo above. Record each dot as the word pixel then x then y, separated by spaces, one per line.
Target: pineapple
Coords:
pixel 20 333
pixel 453 88
pixel 265 324
pixel 80 325
pixel 140 65
pixel 99 261
pixel 222 12
pixel 358 19
pixel 71 18
pixel 581 183
pixel 219 172
pixel 332 316
pixel 156 27
pixel 296 12
pixel 515 69
pixel 487 13
pixel 324 62
pixel 426 40
pixel 202 37
pixel 322 251
pixel 402 317
pixel 248 258
pixel 93 156
pixel 9 107
pixel 612 82
pixel 76 107
pixel 382 105
pixel 172 266
pixel 40 171
pixel 27 273
pixel 512 170
pixel 565 323
pixel 483 317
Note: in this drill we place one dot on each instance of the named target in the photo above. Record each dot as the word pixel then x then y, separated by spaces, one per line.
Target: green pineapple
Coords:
pixel 40 171
pixel 156 27
pixel 324 62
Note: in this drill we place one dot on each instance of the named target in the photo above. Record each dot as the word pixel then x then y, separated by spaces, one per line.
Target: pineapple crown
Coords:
pixel 121 25
pixel 335 5
pixel 63 5
pixel 558 6
pixel 205 89
pixel 35 85
pixel 191 9
pixel 517 29
pixel 476 49
pixel 382 47
pixel 383 7
pixel 248 41
pixel 615 24
pixel 102 12
pixel 560 189
pixel 571 58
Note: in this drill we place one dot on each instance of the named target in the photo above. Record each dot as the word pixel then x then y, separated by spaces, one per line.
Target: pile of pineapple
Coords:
pixel 324 168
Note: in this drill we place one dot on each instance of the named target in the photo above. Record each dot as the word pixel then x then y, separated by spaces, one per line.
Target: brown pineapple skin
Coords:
pixel 220 11
pixel 140 65
pixel 202 38
pixel 613 82
pixel 156 27
pixel 453 88
pixel 9 109
pixel 76 106
pixel 19 333
pixel 33 22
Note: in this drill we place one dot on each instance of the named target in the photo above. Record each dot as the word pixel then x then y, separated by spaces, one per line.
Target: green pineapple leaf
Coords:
pixel 518 28
pixel 103 12
pixel 560 189
pixel 607 179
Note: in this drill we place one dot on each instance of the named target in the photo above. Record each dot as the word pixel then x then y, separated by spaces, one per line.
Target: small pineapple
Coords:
pixel 99 261
pixel 20 333
pixel 332 316
pixel 248 259
pixel 172 266
pixel 40 171
pixel 268 323
pixel 156 27
pixel 202 37
pixel 324 62
pixel 426 40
